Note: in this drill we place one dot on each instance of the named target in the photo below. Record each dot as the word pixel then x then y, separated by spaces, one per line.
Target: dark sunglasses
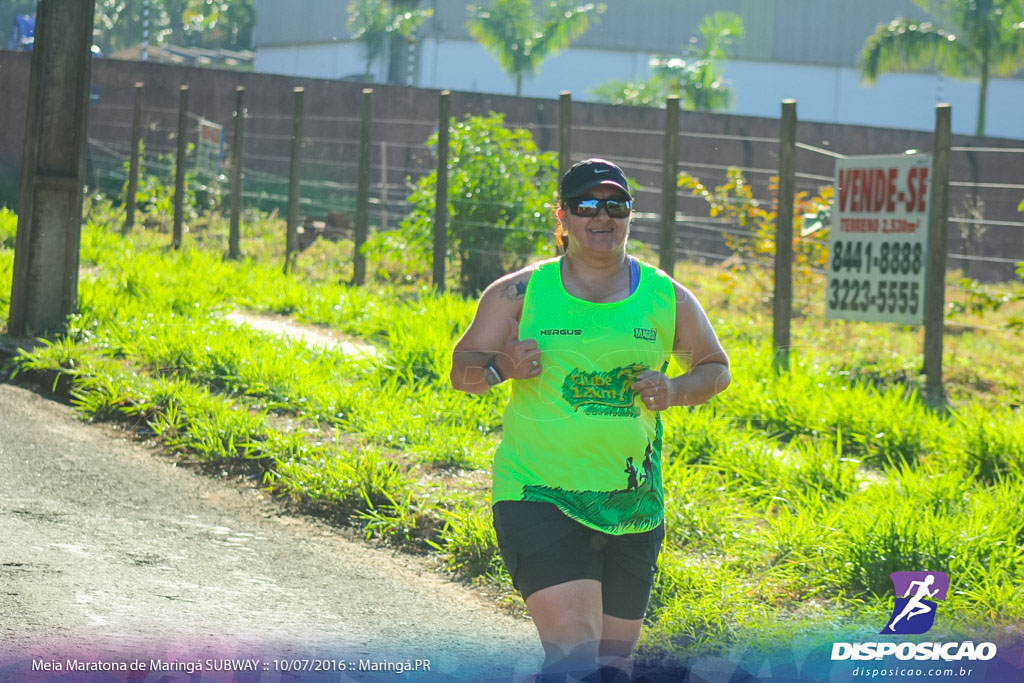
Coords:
pixel 589 207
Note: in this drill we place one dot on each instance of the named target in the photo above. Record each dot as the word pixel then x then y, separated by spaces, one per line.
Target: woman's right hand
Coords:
pixel 493 335
pixel 518 359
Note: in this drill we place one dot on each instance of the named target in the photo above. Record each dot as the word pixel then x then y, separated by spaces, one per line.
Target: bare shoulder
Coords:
pixel 685 300
pixel 693 329
pixel 687 305
pixel 684 297
pixel 500 303
pixel 511 288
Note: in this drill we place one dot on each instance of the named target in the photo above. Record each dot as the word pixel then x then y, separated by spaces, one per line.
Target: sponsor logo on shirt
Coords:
pixel 564 333
pixel 645 333
pixel 603 393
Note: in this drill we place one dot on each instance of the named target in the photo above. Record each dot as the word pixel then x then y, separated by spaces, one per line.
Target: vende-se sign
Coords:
pixel 878 251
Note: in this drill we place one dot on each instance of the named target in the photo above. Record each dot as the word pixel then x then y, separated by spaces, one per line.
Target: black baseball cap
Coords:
pixel 590 173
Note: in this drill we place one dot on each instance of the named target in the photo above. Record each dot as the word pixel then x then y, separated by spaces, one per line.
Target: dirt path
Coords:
pixel 110 551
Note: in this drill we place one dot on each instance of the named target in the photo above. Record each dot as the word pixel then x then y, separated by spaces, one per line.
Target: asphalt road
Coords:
pixel 111 552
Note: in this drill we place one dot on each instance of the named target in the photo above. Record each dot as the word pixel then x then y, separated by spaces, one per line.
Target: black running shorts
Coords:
pixel 542 547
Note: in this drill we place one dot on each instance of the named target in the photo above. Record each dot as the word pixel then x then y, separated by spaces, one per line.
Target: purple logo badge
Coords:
pixel 916 593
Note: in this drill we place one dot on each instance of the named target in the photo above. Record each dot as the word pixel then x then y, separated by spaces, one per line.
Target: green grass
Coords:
pixel 789 498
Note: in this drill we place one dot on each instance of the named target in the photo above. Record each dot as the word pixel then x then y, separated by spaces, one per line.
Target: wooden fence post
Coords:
pixel 383 185
pixel 294 175
pixel 782 301
pixel 237 163
pixel 179 167
pixel 669 185
pixel 362 226
pixel 564 132
pixel 441 201
pixel 938 238
pixel 133 165
pixel 564 138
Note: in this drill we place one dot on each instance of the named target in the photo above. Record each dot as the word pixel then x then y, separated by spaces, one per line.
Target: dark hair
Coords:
pixel 561 235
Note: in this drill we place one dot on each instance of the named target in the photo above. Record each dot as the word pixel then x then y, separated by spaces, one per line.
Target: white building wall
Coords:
pixel 899 100
pixel 826 94
pixel 324 60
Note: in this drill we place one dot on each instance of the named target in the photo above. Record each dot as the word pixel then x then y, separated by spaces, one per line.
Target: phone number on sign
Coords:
pixel 898 258
pixel 886 296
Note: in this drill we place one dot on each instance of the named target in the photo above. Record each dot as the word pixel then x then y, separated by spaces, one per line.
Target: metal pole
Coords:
pixel 294 197
pixel 362 226
pixel 145 30
pixel 938 238
pixel 133 166
pixel 441 201
pixel 669 183
pixel 782 302
pixel 44 286
pixel 179 167
pixel 237 163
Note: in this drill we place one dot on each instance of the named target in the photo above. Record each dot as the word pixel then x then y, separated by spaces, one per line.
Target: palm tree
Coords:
pixel 971 37
pixel 374 23
pixel 698 80
pixel 696 77
pixel 519 40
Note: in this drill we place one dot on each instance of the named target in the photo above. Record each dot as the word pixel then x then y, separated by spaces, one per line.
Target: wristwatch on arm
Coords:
pixel 491 373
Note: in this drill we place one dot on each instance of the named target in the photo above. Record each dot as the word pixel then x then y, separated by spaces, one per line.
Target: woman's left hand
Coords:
pixel 655 390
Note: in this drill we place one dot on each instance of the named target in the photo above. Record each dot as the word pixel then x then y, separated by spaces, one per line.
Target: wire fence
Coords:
pixel 984 223
pixel 984 234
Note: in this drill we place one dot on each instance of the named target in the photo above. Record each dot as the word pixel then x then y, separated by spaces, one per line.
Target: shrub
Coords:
pixel 8 228
pixel 734 201
pixel 154 198
pixel 500 201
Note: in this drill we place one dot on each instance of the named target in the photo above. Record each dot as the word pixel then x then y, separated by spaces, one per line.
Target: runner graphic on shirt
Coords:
pixel 630 471
pixel 648 465
pixel 634 479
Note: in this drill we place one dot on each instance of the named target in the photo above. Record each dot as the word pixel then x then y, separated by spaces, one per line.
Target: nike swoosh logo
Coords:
pixel 603 170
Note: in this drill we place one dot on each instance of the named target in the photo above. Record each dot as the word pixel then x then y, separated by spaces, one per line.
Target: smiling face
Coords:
pixel 600 234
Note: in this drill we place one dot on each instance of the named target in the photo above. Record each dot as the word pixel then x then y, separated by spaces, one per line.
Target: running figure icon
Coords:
pixel 918 594
pixel 915 606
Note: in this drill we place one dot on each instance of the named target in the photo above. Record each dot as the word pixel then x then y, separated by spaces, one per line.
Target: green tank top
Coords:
pixel 577 435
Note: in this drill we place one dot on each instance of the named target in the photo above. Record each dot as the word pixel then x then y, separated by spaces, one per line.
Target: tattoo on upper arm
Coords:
pixel 514 291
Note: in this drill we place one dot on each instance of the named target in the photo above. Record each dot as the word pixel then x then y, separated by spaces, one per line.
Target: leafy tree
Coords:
pixel 982 299
pixel 501 191
pixel 217 23
pixel 696 77
pixel 207 24
pixel 373 23
pixel 970 38
pixel 519 40
pixel 754 245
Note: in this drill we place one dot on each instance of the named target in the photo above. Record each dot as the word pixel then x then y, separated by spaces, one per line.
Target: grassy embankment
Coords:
pixel 790 498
